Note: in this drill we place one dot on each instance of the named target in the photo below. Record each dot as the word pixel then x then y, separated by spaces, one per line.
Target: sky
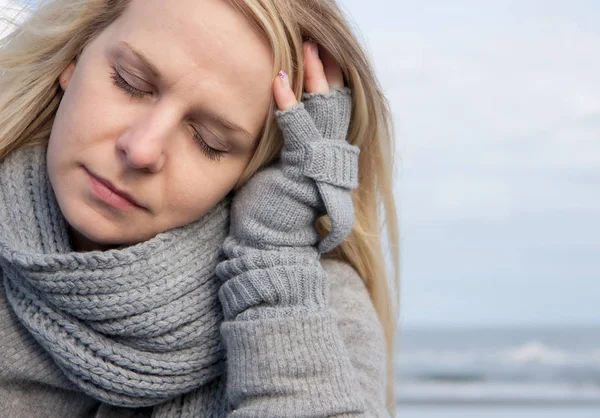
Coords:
pixel 497 114
pixel 496 109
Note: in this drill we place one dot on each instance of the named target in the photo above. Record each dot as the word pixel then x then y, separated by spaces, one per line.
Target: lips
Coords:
pixel 111 194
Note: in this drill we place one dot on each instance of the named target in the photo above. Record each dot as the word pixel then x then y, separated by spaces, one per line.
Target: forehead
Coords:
pixel 206 51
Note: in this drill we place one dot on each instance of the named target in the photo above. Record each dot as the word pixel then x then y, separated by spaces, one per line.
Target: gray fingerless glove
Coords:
pixel 273 246
pixel 317 170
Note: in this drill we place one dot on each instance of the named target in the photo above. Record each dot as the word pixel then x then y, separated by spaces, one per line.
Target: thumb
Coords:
pixel 284 96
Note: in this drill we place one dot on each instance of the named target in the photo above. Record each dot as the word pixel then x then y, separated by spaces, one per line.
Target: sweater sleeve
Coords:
pixel 324 363
pixel 287 351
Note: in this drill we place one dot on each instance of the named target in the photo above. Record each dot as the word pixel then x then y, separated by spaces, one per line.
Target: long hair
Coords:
pixel 54 33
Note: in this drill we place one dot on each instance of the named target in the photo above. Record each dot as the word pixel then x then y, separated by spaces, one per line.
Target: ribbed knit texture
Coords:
pixel 131 327
pixel 273 247
pixel 273 275
pixel 116 324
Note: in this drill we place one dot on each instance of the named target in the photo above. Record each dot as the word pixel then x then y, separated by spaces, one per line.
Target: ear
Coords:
pixel 65 75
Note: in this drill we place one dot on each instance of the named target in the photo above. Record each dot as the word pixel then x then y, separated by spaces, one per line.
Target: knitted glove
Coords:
pixel 273 246
pixel 317 170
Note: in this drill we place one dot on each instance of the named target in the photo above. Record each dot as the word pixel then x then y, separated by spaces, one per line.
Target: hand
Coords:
pixel 320 74
pixel 317 169
pixel 272 260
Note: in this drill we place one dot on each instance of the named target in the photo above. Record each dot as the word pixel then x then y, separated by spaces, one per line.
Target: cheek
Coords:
pixel 61 135
pixel 200 189
pixel 68 119
pixel 89 106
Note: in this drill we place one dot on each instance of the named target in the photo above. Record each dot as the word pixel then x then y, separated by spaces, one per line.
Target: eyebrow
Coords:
pixel 221 120
pixel 143 59
pixel 227 124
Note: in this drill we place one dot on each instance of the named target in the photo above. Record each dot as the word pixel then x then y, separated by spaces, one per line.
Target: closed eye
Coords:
pixel 124 85
pixel 210 152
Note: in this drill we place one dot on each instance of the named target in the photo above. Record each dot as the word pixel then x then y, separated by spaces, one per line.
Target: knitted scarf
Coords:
pixel 134 326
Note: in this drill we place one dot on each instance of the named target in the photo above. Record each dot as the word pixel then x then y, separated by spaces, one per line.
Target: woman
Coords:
pixel 159 188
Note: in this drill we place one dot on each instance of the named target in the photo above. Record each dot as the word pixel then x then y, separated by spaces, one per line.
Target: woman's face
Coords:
pixel 140 112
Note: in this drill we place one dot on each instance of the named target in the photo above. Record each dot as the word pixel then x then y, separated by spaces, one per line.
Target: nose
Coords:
pixel 143 144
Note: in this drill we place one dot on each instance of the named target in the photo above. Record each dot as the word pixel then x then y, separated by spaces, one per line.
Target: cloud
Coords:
pixel 497 113
pixel 485 100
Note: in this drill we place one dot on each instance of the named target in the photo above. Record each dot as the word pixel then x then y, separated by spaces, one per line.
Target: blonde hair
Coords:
pixel 34 54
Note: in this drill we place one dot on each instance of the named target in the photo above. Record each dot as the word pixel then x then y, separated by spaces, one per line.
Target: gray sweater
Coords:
pixel 302 337
pixel 32 386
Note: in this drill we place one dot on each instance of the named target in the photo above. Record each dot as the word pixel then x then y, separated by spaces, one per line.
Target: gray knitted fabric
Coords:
pixel 273 257
pixel 131 327
pixel 140 325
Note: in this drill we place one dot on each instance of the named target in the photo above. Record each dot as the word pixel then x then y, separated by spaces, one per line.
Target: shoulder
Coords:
pixel 345 281
pixel 349 298
pixel 341 271
pixel 360 329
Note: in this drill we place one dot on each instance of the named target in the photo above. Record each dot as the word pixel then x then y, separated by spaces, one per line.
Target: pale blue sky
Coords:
pixel 497 112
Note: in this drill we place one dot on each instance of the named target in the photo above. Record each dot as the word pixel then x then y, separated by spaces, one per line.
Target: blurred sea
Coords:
pixel 501 372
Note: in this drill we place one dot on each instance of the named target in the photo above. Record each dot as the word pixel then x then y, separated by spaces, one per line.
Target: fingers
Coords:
pixel 321 73
pixel 315 80
pixel 333 72
pixel 284 95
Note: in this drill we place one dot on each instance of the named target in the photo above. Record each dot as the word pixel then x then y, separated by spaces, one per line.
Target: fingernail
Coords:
pixel 285 81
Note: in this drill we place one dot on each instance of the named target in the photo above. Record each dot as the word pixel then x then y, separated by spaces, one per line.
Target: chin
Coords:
pixel 91 230
pixel 89 237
